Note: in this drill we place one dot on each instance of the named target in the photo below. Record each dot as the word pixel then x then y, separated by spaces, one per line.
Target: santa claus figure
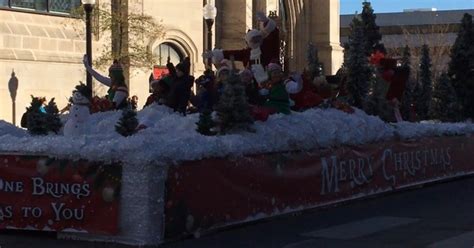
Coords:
pixel 301 93
pixel 263 46
pixel 79 111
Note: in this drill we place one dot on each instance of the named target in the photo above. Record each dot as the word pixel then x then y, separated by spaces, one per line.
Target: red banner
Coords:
pixel 45 194
pixel 217 192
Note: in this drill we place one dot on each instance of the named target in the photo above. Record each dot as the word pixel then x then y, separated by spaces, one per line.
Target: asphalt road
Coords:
pixel 440 215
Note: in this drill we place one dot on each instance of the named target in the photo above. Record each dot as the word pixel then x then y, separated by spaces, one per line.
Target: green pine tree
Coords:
pixel 315 68
pixel 233 110
pixel 425 84
pixel 406 58
pixel 359 72
pixel 444 105
pixel 371 30
pixel 53 121
pixel 408 94
pixel 205 123
pixel 35 118
pixel 461 67
pixel 127 125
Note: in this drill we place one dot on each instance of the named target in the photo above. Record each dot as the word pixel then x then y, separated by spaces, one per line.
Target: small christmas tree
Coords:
pixel 359 73
pixel 53 121
pixel 233 110
pixel 461 67
pixel 128 123
pixel 205 123
pixel 425 84
pixel 370 29
pixel 444 105
pixel 35 117
pixel 315 68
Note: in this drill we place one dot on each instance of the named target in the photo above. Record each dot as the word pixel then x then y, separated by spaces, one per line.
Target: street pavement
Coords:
pixel 435 216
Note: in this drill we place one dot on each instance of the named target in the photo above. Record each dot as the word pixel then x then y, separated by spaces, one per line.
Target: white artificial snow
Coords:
pixel 171 138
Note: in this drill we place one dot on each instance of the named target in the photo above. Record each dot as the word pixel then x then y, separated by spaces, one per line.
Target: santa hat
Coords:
pixel 273 67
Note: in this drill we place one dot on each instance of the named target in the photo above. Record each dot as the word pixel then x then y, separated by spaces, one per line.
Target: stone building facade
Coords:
pixel 46 54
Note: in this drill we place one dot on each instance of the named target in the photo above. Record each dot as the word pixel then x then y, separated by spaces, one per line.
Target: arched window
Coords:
pixel 165 50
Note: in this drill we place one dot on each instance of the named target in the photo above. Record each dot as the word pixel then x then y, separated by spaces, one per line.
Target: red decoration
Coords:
pixel 376 57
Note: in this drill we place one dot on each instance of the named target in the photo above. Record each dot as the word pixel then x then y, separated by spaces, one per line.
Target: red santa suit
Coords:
pixel 263 47
pixel 301 93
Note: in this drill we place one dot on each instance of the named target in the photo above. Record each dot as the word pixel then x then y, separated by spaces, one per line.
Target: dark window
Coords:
pixel 63 6
pixel 56 6
pixel 165 50
pixel 39 5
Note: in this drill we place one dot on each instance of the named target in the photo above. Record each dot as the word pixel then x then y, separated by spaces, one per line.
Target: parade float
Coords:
pixel 168 181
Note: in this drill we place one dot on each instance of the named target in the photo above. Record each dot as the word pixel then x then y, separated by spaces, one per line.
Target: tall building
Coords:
pixel 43 43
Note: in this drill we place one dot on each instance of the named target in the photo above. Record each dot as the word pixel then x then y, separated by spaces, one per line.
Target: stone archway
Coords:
pixel 312 21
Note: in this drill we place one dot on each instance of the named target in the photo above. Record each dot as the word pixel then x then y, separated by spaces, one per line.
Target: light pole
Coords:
pixel 209 13
pixel 88 7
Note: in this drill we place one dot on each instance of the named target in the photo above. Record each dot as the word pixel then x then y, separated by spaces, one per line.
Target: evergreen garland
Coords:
pixel 205 123
pixel 128 123
pixel 358 69
pixel 425 84
pixel 444 105
pixel 233 110
pixel 461 67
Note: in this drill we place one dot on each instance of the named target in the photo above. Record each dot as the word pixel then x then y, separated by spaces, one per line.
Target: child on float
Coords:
pixel 160 89
pixel 251 88
pixel 278 98
pixel 182 82
pixel 118 91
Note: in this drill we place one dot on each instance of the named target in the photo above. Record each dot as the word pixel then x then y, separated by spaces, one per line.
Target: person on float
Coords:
pixel 182 82
pixel 278 98
pixel 263 46
pixel 302 94
pixel 118 91
pixel 160 91
pixel 205 98
pixel 251 88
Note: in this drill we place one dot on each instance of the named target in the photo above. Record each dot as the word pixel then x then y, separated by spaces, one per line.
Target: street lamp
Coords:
pixel 209 13
pixel 88 7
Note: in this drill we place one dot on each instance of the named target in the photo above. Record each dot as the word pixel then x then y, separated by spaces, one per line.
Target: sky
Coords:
pixel 383 6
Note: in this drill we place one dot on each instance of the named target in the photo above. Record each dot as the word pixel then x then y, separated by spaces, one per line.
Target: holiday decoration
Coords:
pixel 370 29
pixel 461 67
pixel 52 117
pixel 359 74
pixel 425 84
pixel 444 104
pixel 79 110
pixel 233 110
pixel 128 123
pixel 40 119
pixel 205 123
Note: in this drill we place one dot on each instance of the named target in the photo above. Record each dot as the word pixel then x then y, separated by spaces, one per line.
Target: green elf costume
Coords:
pixel 277 98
